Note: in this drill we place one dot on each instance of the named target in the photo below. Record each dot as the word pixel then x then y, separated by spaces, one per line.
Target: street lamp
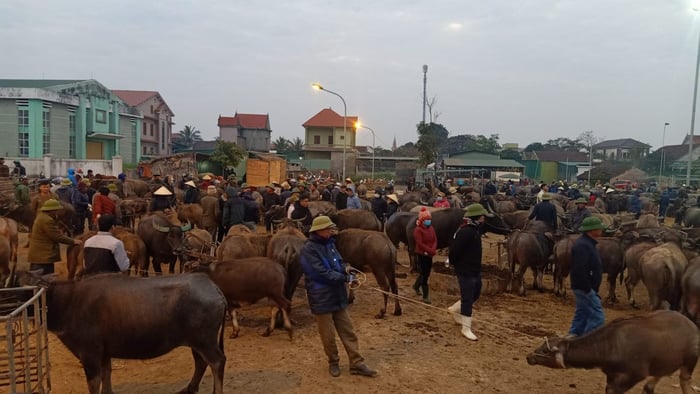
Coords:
pixel 696 7
pixel 661 166
pixel 318 86
pixel 357 126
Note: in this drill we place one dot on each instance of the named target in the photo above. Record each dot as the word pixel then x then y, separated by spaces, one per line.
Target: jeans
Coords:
pixel 589 313
pixel 470 290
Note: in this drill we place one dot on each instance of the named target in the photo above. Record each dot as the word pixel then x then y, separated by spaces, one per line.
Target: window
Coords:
pixel 71 135
pixel 317 139
pixel 162 137
pixel 330 140
pixel 342 137
pixel 144 150
pixel 23 131
pixel 46 137
pixel 151 150
pixel 100 116
pixel 151 129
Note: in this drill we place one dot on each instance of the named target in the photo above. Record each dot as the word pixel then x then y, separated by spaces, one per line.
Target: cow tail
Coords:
pixel 673 288
pixel 221 329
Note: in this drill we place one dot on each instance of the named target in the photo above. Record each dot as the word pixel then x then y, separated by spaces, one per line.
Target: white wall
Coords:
pixel 53 167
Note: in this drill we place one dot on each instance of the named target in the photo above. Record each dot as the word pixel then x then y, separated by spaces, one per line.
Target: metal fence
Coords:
pixel 24 353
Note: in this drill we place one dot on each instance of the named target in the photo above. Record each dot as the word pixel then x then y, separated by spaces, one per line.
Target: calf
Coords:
pixel 628 350
pixel 249 280
pixel 92 320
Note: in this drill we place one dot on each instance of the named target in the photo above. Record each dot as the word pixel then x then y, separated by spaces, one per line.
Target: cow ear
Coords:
pixel 559 358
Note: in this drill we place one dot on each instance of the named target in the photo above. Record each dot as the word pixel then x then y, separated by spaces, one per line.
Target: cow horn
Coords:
pixel 162 229
pixel 559 358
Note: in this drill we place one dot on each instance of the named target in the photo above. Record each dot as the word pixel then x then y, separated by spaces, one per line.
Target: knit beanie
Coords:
pixel 423 215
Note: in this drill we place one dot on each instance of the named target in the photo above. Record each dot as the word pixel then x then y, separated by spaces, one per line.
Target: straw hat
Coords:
pixel 206 178
pixel 163 191
pixel 190 183
pixel 393 198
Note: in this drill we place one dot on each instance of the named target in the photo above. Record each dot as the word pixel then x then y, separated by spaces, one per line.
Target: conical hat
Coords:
pixel 162 191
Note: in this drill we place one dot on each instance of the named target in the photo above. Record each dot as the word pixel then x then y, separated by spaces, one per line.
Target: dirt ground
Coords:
pixel 420 351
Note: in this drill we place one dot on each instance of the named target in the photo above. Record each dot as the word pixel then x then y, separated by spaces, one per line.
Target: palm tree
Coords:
pixel 281 145
pixel 188 136
pixel 297 145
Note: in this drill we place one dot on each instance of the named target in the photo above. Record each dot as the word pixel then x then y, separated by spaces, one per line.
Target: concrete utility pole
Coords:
pixel 425 97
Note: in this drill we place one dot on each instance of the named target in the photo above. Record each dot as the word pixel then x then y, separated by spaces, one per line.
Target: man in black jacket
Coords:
pixel 465 257
pixel 325 279
pixel 546 212
pixel 586 275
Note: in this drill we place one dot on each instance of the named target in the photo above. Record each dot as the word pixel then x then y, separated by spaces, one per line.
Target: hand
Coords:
pixel 77 242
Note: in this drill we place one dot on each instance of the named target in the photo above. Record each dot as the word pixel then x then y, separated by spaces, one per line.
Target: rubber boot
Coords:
pixel 426 294
pixel 416 284
pixel 467 328
pixel 455 310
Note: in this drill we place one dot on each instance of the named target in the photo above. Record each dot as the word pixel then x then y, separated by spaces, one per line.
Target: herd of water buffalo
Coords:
pixel 246 267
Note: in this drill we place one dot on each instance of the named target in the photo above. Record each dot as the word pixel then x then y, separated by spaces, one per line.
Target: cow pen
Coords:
pixel 24 356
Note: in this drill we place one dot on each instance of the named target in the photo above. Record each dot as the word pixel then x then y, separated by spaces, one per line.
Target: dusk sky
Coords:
pixel 528 70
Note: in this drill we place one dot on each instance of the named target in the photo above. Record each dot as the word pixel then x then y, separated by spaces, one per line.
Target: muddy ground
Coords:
pixel 420 351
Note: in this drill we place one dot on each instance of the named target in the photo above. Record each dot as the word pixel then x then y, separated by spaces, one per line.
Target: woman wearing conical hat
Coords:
pixel 161 200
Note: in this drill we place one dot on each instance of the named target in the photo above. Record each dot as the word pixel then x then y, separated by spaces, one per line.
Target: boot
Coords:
pixel 426 294
pixel 467 328
pixel 416 285
pixel 455 310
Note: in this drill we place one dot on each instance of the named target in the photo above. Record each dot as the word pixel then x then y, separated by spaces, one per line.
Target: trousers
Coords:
pixel 425 266
pixel 470 290
pixel 589 313
pixel 328 324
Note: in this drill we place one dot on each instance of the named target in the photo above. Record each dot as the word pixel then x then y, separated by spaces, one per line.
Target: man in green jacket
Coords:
pixel 46 236
pixel 22 191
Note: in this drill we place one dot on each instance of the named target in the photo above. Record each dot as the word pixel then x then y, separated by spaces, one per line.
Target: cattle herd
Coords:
pixel 247 266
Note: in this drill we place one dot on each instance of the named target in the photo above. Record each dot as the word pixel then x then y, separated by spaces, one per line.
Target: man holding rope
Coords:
pixel 325 279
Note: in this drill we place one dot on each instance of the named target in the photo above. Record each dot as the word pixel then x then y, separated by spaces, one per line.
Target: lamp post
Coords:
pixel 692 118
pixel 357 126
pixel 661 165
pixel 318 86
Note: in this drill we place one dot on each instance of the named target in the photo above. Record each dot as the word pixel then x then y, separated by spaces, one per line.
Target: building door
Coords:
pixel 94 151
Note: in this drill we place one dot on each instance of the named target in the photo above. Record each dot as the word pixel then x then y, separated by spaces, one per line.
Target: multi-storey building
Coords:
pixel 157 121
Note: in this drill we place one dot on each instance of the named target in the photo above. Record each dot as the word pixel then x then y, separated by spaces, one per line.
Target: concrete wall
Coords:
pixel 8 127
pixel 256 140
pixel 59 133
pixel 51 166
pixel 229 134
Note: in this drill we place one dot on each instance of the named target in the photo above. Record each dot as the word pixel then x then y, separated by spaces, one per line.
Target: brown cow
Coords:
pixel 629 350
pixel 190 213
pixel 134 246
pixel 92 320
pixel 199 240
pixel 690 286
pixel 365 249
pixel 249 280
pixel 132 209
pixel 242 246
pixel 285 247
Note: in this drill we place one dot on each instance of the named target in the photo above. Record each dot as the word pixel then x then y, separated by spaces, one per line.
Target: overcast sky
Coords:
pixel 527 70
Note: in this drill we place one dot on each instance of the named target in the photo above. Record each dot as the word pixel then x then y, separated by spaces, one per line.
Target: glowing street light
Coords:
pixel 318 86
pixel 359 125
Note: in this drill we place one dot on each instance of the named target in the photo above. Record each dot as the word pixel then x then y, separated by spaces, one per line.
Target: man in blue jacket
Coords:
pixel 586 275
pixel 325 280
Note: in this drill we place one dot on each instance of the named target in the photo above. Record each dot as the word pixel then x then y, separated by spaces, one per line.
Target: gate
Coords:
pixel 24 352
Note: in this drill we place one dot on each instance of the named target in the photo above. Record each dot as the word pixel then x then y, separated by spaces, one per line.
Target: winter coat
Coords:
pixel 546 212
pixel 211 214
pixel 586 267
pixel 465 250
pixel 426 240
pixel 46 235
pixel 324 275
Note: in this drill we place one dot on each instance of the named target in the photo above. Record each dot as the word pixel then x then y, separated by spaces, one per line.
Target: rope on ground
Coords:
pixel 361 278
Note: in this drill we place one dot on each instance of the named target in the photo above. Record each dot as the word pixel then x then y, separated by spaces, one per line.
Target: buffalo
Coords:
pixel 164 241
pixel 690 288
pixel 395 227
pixel 357 218
pixel 364 249
pixel 691 218
pixel 134 246
pixel 529 248
pixel 661 270
pixel 92 320
pixel 631 260
pixel 285 247
pixel 629 350
pixel 242 245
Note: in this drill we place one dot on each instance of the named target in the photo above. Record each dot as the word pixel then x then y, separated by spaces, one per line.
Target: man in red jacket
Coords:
pixel 426 246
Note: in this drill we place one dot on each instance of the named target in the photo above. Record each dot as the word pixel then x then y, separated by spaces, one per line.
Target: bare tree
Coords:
pixel 432 111
pixel 588 139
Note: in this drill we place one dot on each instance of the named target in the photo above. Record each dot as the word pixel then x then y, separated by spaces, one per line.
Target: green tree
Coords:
pixel 534 147
pixel 297 145
pixel 227 154
pixel 512 154
pixel 432 139
pixel 188 136
pixel 281 145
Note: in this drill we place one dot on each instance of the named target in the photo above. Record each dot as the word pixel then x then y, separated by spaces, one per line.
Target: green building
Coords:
pixel 71 119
